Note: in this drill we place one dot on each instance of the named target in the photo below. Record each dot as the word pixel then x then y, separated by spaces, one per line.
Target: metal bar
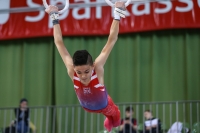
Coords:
pixel 178 109
pixel 137 116
pixel 41 121
pixel 66 122
pixel 125 103
pixel 98 122
pixel 5 114
pixel 43 107
pixel 103 118
pixel 184 114
pixel 164 117
pixel 54 120
pixel 124 114
pixel 198 128
pixel 130 128
pixel 91 127
pixel 35 116
pixel 60 121
pixel 157 117
pixel 29 117
pixel 22 130
pixel 143 118
pixel 10 120
pixel 79 119
pixel 1 117
pixel 152 114
pixel 170 110
pixel 162 102
pixel 72 120
pixel 17 113
pixel 190 114
pixel 85 122
pixel 177 115
pixel 47 120
pixel 72 5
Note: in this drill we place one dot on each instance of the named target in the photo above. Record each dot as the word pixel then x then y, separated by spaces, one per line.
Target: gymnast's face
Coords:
pixel 84 73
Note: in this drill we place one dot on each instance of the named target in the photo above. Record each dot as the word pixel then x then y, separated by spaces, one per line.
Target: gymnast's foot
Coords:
pixel 108 124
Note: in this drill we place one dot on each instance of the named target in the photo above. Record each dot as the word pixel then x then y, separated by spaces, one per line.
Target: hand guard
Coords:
pixel 120 11
pixel 54 17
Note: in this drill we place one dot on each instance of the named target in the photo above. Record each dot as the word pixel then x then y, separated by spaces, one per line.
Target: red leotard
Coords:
pixel 94 98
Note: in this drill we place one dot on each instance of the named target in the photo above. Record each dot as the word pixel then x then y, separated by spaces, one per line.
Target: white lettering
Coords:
pixel 127 13
pixel 61 16
pixel 185 9
pixel 35 18
pixel 98 10
pixel 198 2
pixel 166 9
pixel 4 4
pixel 85 15
pixel 145 11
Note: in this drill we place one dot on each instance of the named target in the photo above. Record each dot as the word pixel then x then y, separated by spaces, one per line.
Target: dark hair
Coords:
pixel 128 109
pixel 82 57
pixel 148 111
pixel 23 100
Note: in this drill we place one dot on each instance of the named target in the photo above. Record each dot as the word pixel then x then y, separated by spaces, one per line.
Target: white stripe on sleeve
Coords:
pixel 93 77
pixel 76 87
pixel 76 78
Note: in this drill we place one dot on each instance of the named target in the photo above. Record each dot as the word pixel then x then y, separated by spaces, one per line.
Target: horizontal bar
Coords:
pixel 72 5
pixel 126 103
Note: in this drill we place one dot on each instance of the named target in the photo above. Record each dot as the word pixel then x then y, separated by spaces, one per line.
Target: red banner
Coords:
pixel 97 20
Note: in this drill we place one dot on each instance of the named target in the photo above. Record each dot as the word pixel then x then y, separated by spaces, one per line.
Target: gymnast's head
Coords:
pixel 83 65
pixel 82 57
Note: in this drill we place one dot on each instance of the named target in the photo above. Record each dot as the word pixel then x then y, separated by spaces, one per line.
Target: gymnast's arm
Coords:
pixel 113 36
pixel 67 59
pixel 101 59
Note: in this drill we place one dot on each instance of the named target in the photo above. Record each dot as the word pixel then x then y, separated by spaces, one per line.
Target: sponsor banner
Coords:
pixel 158 15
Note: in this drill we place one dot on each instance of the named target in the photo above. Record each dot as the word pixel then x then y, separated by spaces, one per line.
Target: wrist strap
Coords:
pixel 119 12
pixel 116 16
pixel 55 21
pixel 54 17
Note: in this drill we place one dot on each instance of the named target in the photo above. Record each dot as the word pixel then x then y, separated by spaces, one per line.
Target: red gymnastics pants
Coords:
pixel 111 112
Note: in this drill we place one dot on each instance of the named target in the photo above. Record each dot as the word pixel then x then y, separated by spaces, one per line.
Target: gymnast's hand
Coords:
pixel 53 13
pixel 51 9
pixel 120 4
pixel 120 9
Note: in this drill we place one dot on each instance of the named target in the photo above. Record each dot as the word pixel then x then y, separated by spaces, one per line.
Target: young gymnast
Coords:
pixel 88 76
